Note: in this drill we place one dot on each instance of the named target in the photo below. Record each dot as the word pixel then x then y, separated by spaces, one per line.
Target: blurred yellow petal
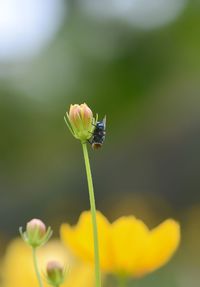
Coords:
pixel 128 238
pixel 127 246
pixel 18 265
pixel 161 245
pixel 80 238
pixel 81 275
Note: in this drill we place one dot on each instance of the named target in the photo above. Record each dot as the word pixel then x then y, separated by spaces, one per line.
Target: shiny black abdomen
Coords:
pixel 99 134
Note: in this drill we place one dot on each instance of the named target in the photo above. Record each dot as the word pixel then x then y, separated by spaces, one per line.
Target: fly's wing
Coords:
pixel 104 121
pixel 96 119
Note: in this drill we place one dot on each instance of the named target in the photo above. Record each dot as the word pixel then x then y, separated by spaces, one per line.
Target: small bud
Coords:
pixel 35 228
pixel 80 121
pixel 55 273
pixel 36 233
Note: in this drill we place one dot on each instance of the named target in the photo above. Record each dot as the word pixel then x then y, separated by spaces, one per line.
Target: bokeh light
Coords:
pixel 144 14
pixel 28 25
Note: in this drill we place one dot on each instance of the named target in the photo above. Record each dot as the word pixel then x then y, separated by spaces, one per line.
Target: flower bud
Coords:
pixel 80 121
pixel 36 233
pixel 55 273
pixel 35 228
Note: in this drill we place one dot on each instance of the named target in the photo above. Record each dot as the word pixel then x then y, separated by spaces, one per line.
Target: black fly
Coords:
pixel 98 134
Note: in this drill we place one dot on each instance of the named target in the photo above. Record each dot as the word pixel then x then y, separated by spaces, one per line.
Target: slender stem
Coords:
pixel 93 213
pixel 36 267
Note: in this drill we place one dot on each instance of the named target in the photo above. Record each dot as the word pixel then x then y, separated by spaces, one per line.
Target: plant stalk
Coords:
pixel 36 267
pixel 93 213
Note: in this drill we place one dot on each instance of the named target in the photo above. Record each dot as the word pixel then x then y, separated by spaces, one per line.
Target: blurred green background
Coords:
pixel 138 62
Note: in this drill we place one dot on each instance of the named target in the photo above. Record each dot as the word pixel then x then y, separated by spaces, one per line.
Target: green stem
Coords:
pixel 93 213
pixel 36 267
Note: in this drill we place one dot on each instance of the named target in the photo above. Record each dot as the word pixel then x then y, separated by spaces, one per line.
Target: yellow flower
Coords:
pixel 127 246
pixel 18 265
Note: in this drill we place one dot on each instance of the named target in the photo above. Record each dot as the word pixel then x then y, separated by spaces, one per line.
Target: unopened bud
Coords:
pixel 35 228
pixel 80 121
pixel 36 233
pixel 55 273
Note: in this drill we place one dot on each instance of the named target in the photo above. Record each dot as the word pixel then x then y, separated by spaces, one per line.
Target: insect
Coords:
pixel 99 134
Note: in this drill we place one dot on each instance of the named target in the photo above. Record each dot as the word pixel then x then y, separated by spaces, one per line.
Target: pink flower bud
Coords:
pixel 55 273
pixel 81 120
pixel 35 228
pixel 36 234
